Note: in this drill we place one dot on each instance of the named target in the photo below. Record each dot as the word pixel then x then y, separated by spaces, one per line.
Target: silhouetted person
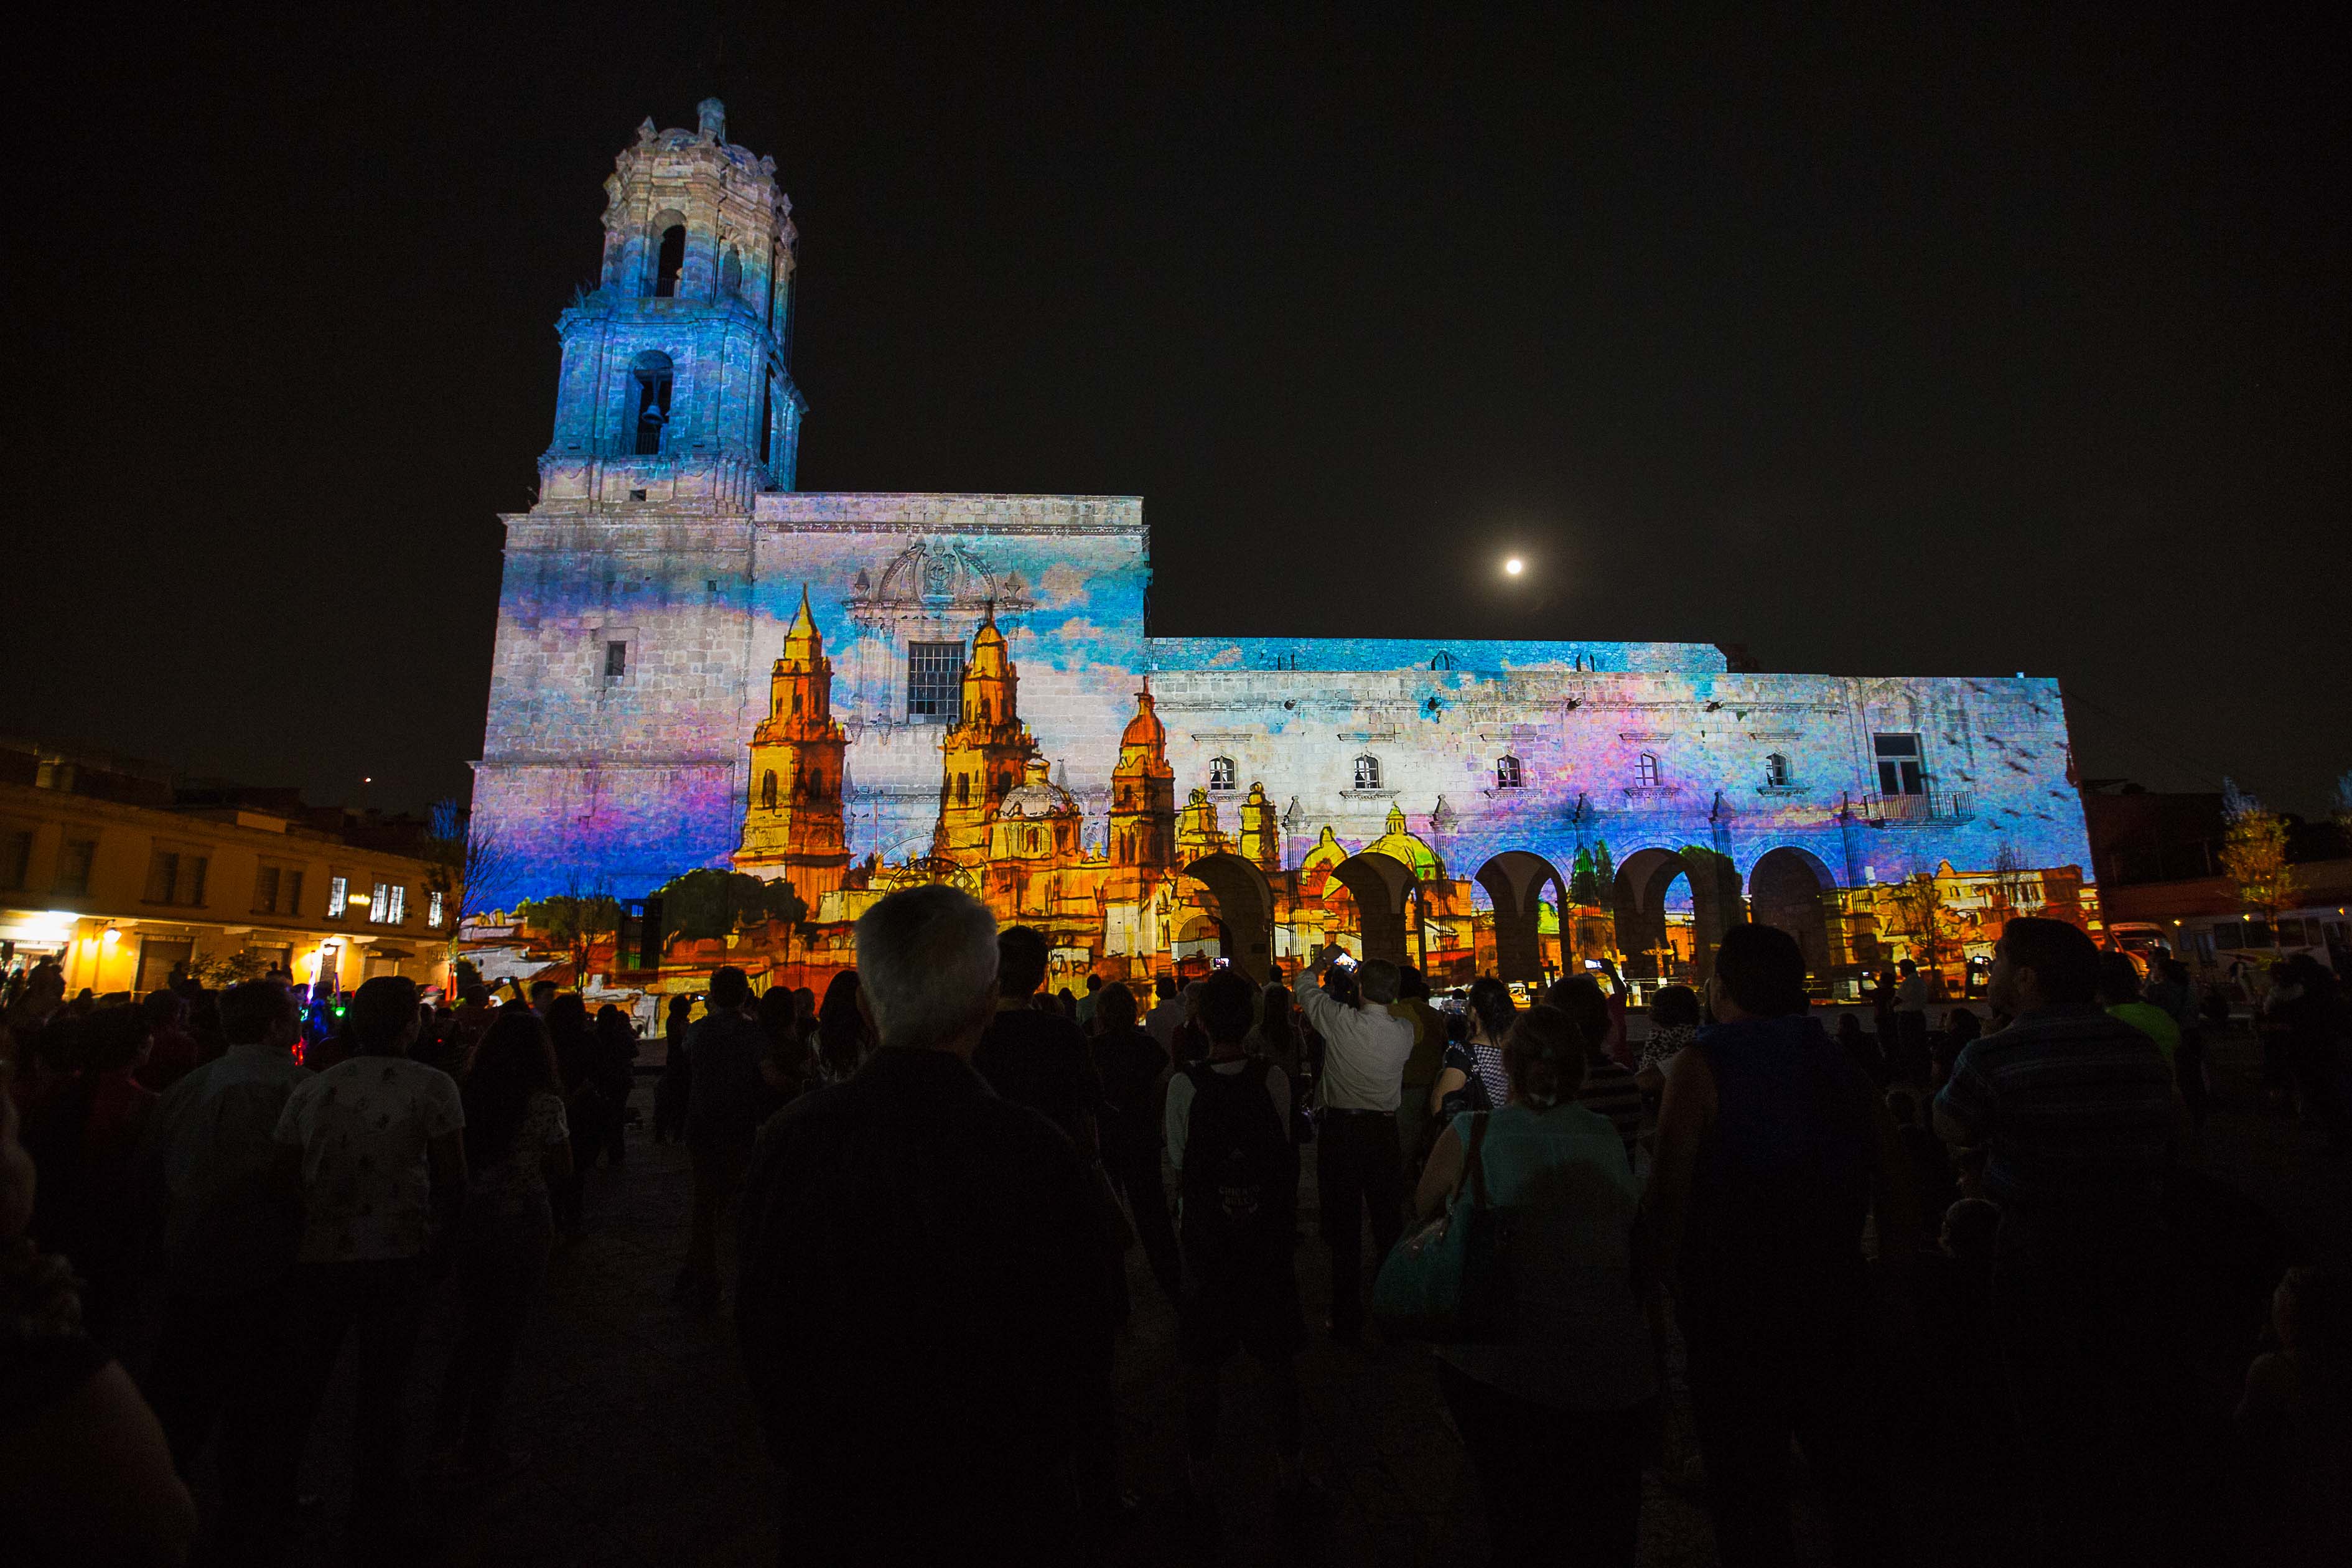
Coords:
pixel 1769 1139
pixel 2077 1113
pixel 1129 1066
pixel 232 1226
pixel 1552 1417
pixel 85 1474
pixel 944 1243
pixel 1037 1057
pixel 1358 1165
pixel 722 1120
pixel 378 1140
pixel 1228 1130
pixel 516 1145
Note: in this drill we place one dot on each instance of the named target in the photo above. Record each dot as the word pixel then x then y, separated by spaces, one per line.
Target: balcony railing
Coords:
pixel 1934 806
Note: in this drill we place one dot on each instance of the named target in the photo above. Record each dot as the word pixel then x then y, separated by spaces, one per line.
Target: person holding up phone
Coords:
pixel 1357 1164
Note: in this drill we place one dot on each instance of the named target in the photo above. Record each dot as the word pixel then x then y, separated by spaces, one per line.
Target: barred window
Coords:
pixel 1646 770
pixel 1222 774
pixel 1368 772
pixel 934 682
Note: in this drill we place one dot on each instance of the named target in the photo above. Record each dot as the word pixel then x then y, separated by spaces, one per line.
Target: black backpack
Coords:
pixel 1241 1188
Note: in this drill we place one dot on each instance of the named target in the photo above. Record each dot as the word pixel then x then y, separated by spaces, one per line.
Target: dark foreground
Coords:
pixel 645 1447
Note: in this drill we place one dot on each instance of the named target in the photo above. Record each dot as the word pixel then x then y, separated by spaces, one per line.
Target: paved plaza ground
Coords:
pixel 644 1447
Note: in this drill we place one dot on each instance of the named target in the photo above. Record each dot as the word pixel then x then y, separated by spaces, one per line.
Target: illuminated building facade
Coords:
pixel 963 687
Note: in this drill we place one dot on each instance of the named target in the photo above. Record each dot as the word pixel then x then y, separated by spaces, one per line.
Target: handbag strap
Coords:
pixel 1474 1169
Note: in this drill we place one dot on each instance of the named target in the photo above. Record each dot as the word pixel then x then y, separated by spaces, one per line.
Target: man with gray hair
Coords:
pixel 943 1246
pixel 1357 1163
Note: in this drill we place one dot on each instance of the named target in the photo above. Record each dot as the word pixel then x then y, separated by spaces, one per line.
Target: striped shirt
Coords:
pixel 1609 1090
pixel 2074 1106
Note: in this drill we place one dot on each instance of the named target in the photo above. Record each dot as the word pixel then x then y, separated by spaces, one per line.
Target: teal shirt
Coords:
pixel 1583 1341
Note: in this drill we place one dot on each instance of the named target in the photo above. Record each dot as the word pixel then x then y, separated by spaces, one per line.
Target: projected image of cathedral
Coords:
pixel 700 668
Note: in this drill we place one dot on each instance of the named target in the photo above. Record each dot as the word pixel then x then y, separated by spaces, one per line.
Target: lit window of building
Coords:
pixel 934 682
pixel 1899 769
pixel 433 914
pixel 1368 772
pixel 338 894
pixel 1222 773
pixel 1509 774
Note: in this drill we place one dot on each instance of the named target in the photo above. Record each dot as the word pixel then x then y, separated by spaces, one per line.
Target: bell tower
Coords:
pixel 677 387
pixel 1143 797
pixel 985 754
pixel 793 823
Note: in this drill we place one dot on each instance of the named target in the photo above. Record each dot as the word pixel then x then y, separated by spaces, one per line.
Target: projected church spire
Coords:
pixel 986 752
pixel 793 823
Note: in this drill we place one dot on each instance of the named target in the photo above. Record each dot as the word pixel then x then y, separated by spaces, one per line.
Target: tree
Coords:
pixel 708 902
pixel 1582 887
pixel 471 867
pixel 228 969
pixel 574 921
pixel 2254 852
pixel 1922 920
pixel 2341 810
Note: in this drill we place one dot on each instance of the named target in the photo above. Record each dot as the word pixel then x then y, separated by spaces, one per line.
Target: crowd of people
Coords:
pixel 1975 1264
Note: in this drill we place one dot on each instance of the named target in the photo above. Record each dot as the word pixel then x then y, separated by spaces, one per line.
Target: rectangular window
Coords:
pixel 278 890
pixel 387 904
pixel 1222 773
pixel 2258 934
pixel 337 895
pixel 616 661
pixel 399 907
pixel 176 878
pixel 433 912
pixel 75 859
pixel 1646 770
pixel 934 682
pixel 15 856
pixel 1899 770
pixel 2290 931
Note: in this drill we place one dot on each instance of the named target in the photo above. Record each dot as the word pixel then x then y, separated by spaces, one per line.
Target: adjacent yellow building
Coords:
pixel 101 870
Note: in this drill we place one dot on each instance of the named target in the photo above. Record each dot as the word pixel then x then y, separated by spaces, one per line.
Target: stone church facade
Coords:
pixel 699 666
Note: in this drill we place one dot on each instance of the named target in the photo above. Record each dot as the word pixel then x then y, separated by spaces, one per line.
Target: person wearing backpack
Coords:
pixel 1228 1135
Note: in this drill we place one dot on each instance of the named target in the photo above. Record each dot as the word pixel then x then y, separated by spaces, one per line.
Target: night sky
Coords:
pixel 1952 344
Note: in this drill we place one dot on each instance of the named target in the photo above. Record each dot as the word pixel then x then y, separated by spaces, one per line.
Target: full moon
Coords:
pixel 1514 567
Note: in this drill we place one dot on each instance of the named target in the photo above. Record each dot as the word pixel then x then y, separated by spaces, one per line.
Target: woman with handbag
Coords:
pixel 1553 1405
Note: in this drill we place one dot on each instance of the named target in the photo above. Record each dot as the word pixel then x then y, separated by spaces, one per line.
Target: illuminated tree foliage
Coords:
pixel 712 903
pixel 2254 852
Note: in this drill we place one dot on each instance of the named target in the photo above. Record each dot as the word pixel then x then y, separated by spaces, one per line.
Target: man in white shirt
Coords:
pixel 1356 1165
pixel 379 1140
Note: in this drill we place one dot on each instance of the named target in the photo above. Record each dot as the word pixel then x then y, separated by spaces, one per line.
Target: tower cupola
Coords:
pixel 676 385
